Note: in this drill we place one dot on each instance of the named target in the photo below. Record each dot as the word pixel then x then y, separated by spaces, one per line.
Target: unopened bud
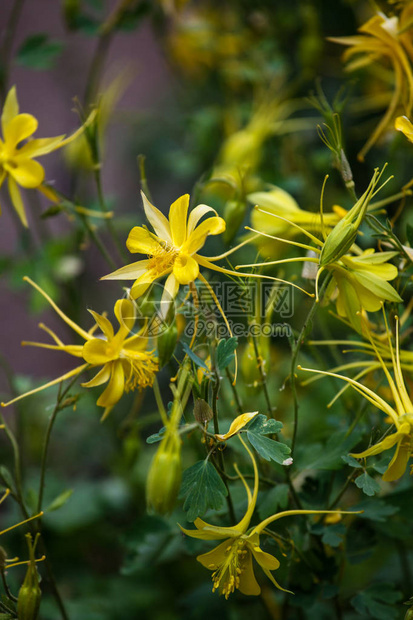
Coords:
pixel 344 234
pixel 28 601
pixel 164 478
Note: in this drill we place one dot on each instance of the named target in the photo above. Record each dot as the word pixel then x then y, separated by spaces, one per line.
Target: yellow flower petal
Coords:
pixel 157 219
pixel 403 124
pixel 238 424
pixel 177 219
pixel 104 324
pixel 140 240
pixel 114 390
pixel 398 464
pixel 125 312
pixel 247 582
pixel 185 269
pixel 265 560
pixel 195 215
pixel 386 444
pixel 195 241
pixel 40 146
pixel 19 128
pixel 17 200
pixel 214 558
pixel 27 172
pixel 10 109
pixel 129 272
pixel 101 377
pixel 97 352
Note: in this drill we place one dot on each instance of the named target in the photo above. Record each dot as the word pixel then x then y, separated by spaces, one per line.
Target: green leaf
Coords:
pixel 194 357
pixel 39 52
pixel 409 234
pixel 329 456
pixel 60 500
pixel 375 510
pixel 156 436
pixel 378 602
pixel 202 488
pixel 350 460
pixel 367 484
pixel 226 352
pixel 263 426
pixel 269 449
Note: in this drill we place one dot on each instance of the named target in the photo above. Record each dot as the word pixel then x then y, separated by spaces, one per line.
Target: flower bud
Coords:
pixel 164 478
pixel 344 234
pixel 28 601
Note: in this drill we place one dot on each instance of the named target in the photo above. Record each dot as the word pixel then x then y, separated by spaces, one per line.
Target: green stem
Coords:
pixel 234 392
pixel 296 352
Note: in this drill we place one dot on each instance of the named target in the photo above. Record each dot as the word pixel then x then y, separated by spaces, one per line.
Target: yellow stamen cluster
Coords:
pixel 227 577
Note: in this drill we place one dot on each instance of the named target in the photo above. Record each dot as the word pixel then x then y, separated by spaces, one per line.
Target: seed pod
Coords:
pixel 164 478
pixel 28 601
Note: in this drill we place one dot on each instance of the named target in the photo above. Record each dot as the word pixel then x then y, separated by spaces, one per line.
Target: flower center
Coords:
pixel 226 577
pixel 162 260
pixel 139 371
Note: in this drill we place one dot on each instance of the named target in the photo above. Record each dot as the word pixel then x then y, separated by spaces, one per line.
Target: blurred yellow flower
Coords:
pixel 400 414
pixel 126 362
pixel 384 39
pixel 17 162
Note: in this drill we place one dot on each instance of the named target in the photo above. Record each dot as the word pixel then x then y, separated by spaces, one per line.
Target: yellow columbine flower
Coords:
pixel 126 362
pixel 279 215
pixel 362 281
pixel 17 162
pixel 231 561
pixel 172 249
pixel 401 414
pixel 383 39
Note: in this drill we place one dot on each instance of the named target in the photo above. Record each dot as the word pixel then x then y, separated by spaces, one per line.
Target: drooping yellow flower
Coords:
pixel 384 39
pixel 17 161
pixel 231 561
pixel 124 357
pixel 400 414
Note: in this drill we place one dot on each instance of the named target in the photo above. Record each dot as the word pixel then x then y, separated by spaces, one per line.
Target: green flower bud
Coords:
pixel 71 11
pixel 409 614
pixel 164 478
pixel 344 234
pixel 28 601
pixel 166 344
pixel 234 213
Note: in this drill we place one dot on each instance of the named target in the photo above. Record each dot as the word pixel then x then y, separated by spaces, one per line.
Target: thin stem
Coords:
pixel 9 34
pixel 296 352
pixel 343 489
pixel 234 392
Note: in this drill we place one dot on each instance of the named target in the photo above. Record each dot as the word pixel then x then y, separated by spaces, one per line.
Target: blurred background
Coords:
pixel 201 89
